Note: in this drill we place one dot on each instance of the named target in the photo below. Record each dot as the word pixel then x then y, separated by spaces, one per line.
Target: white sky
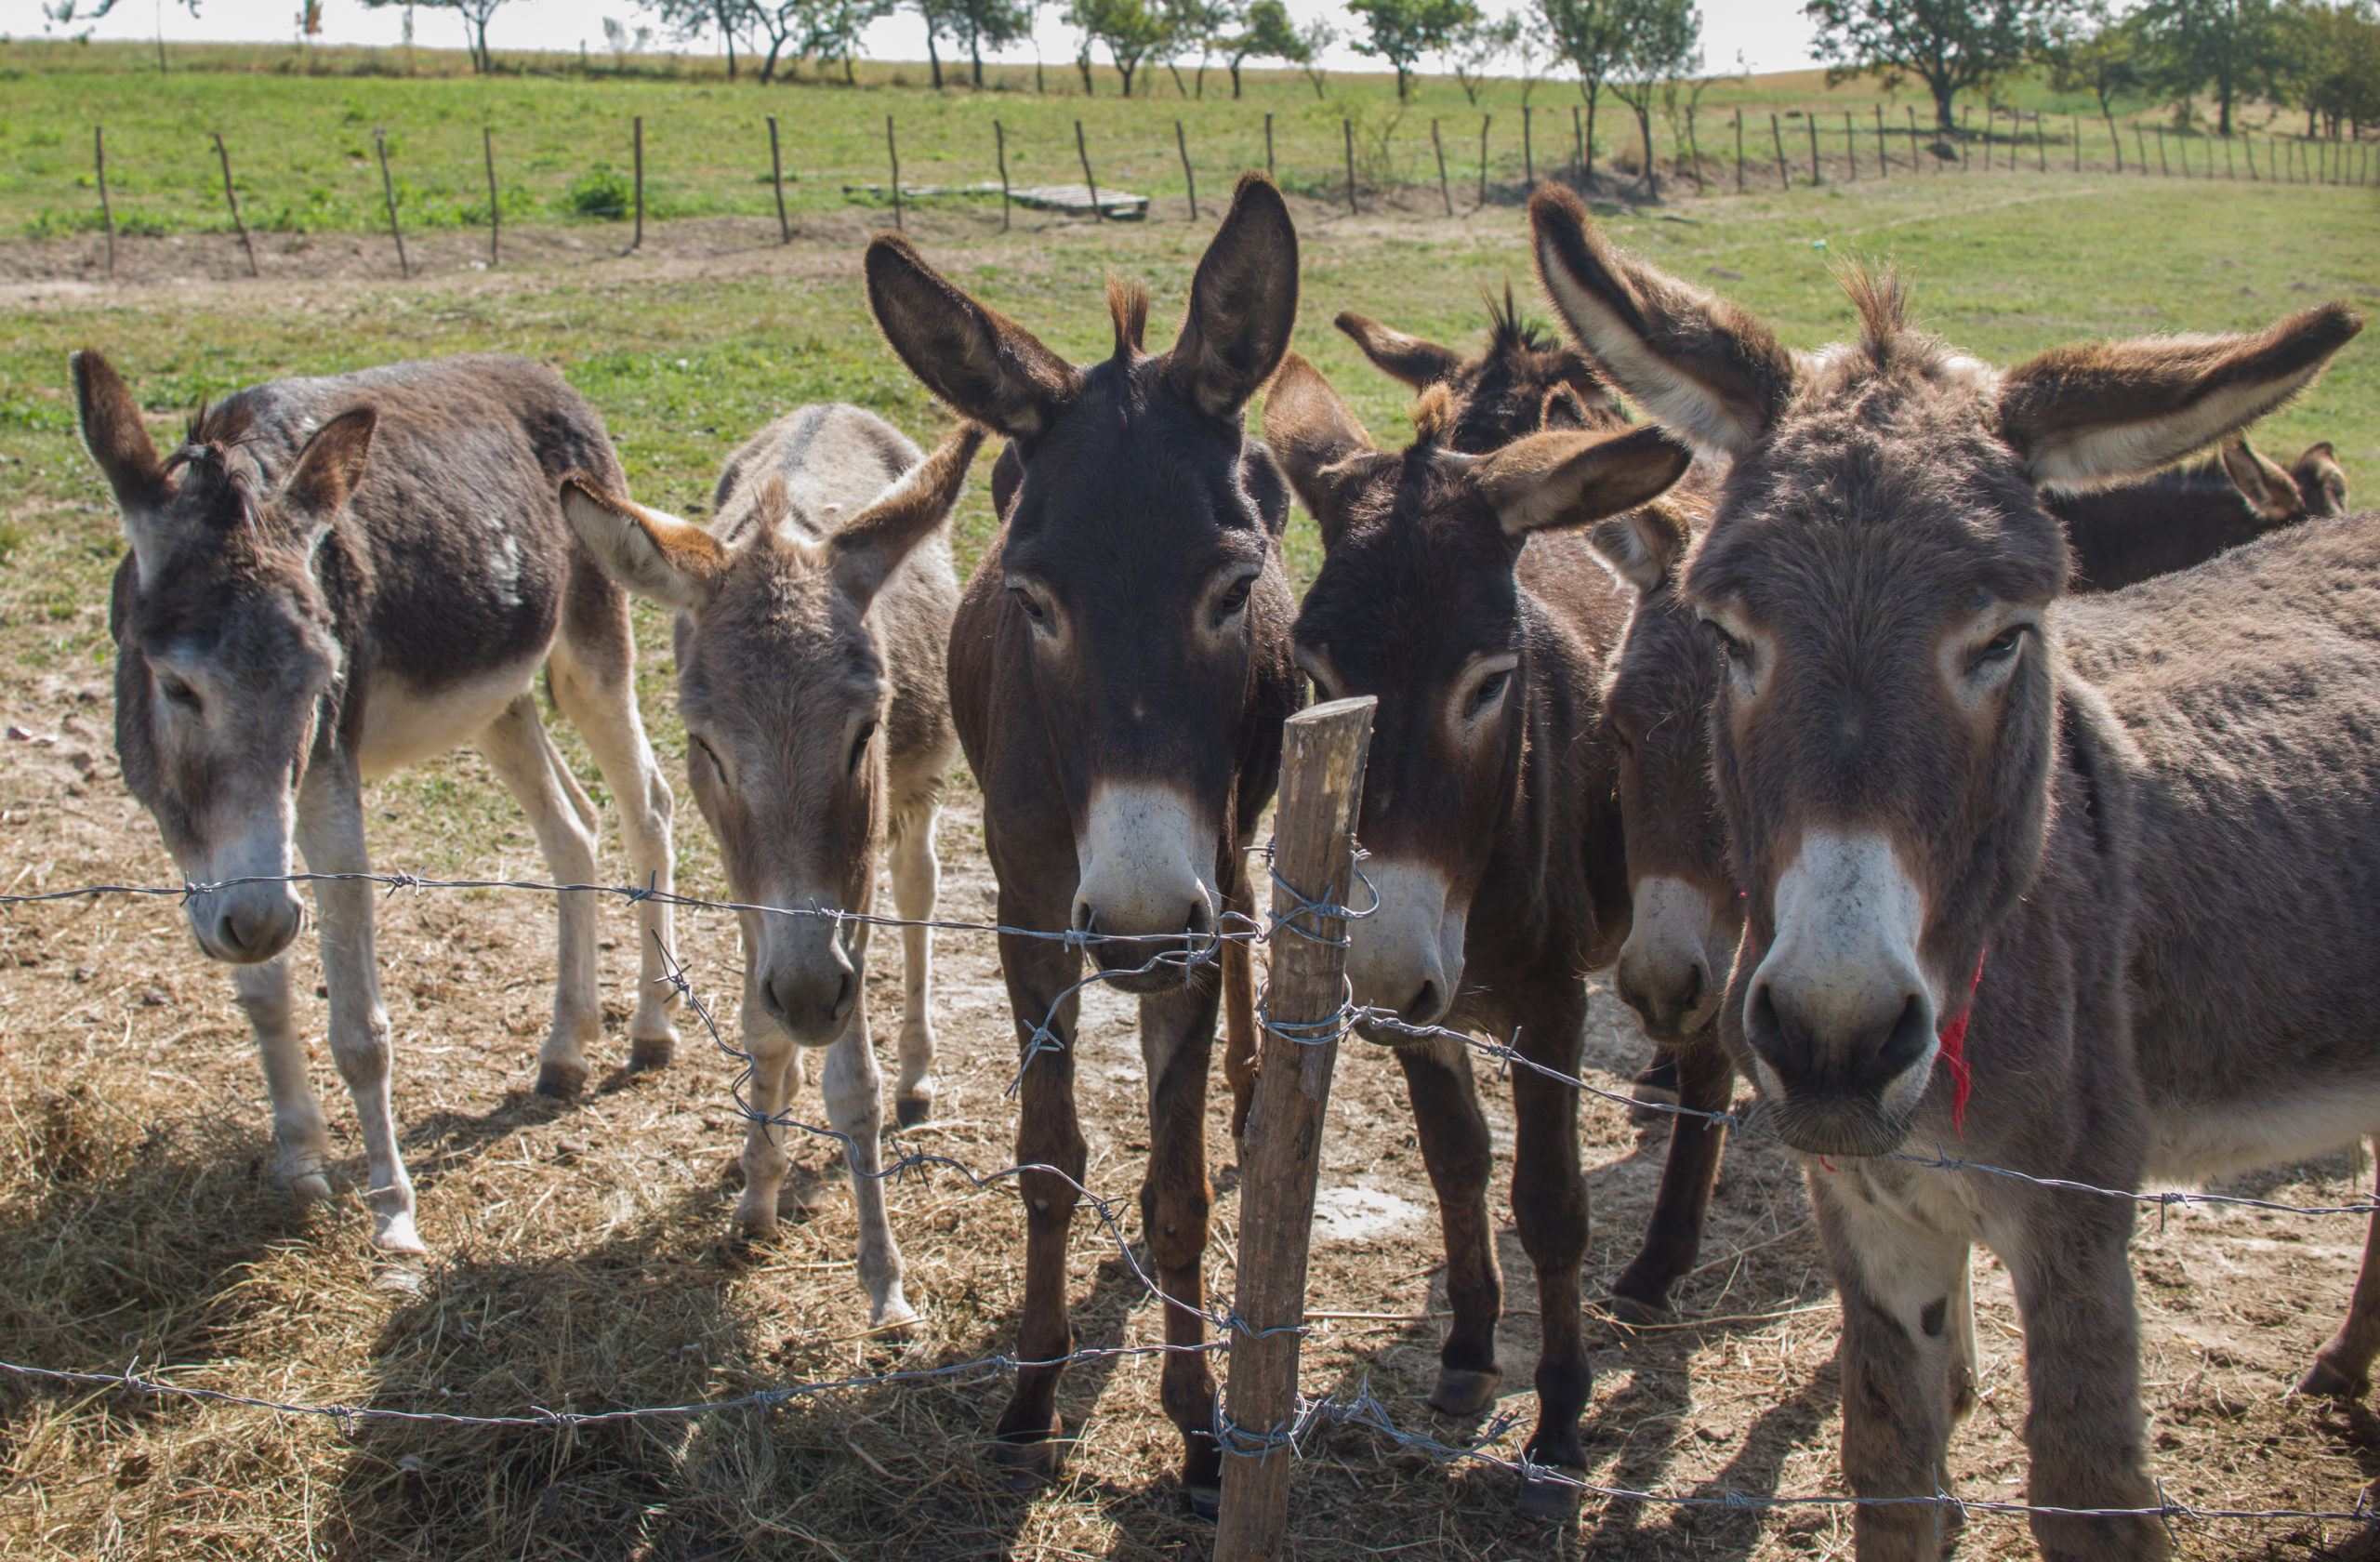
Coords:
pixel 1770 34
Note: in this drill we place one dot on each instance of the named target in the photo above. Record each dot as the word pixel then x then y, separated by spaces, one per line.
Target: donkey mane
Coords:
pixel 1128 305
pixel 1509 332
pixel 1433 416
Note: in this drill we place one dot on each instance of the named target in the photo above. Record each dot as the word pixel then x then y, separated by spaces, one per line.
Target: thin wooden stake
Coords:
pixel 1784 170
pixel 107 214
pixel 1445 193
pixel 2075 122
pixel 2140 144
pixel 1485 120
pixel 1322 776
pixel 388 192
pixel 2041 143
pixel 1578 143
pixel 1083 151
pixel 1883 157
pixel 1347 126
pixel 1189 178
pixel 1739 152
pixel 776 180
pixel 638 243
pixel 1810 123
pixel 230 198
pixel 1915 165
pixel 2164 169
pixel 495 212
pixel 1268 143
pixel 1529 151
pixel 892 150
pixel 1000 149
pixel 1850 145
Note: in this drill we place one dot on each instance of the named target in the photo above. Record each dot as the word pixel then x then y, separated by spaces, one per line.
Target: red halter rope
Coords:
pixel 1954 1058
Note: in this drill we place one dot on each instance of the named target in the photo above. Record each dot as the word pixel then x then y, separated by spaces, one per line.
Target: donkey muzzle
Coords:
pixel 805 977
pixel 1669 968
pixel 1406 954
pixel 245 924
pixel 1140 890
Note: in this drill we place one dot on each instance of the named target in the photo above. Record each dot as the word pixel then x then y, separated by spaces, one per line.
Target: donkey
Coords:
pixel 813 618
pixel 2106 862
pixel 1512 387
pixel 293 619
pixel 2128 533
pixel 1120 671
pixel 1451 589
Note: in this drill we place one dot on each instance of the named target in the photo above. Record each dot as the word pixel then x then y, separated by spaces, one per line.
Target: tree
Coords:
pixel 1200 24
pixel 1315 40
pixel 1265 33
pixel 1401 32
pixel 1949 45
pixel 2096 53
pixel 2331 65
pixel 1131 29
pixel 829 30
pixel 690 20
pixel 1662 42
pixel 1476 46
pixel 2233 47
pixel 475 14
pixel 1591 36
pixel 993 24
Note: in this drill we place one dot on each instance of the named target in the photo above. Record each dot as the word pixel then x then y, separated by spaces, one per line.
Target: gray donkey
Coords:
pixel 812 621
pixel 331 580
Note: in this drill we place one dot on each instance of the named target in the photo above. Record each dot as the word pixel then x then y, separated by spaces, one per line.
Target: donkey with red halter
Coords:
pixel 2106 862
pixel 812 621
pixel 1119 671
pixel 1451 589
pixel 332 579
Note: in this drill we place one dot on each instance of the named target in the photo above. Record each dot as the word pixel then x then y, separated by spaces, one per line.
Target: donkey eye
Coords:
pixel 1234 600
pixel 176 692
pixel 859 746
pixel 1491 689
pixel 717 771
pixel 2001 646
pixel 1728 643
pixel 1032 606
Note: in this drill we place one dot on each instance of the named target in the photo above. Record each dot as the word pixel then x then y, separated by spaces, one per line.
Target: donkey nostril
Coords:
pixel 1424 1005
pixel 846 994
pixel 226 933
pixel 1202 917
pixel 1696 981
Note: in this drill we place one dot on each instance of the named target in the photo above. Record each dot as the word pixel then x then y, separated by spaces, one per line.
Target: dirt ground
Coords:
pixel 578 1262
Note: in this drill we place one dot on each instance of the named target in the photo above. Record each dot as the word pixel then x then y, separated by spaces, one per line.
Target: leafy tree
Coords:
pixel 475 15
pixel 690 20
pixel 1265 33
pixel 1204 25
pixel 1401 32
pixel 2232 47
pixel 1591 36
pixel 829 30
pixel 2096 53
pixel 1662 42
pixel 1131 30
pixel 1314 39
pixel 1476 46
pixel 1949 45
pixel 993 24
pixel 2330 64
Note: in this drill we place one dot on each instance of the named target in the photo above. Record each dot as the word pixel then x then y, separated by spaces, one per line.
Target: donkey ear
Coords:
pixel 331 465
pixel 2264 482
pixel 2321 479
pixel 1643 547
pixel 1007 476
pixel 983 364
pixel 658 556
pixel 872 544
pixel 2100 412
pixel 1243 304
pixel 1410 359
pixel 1694 361
pixel 1311 434
pixel 113 433
pixel 1562 409
pixel 1566 479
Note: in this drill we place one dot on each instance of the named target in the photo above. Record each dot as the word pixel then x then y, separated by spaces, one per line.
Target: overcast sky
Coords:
pixel 1770 34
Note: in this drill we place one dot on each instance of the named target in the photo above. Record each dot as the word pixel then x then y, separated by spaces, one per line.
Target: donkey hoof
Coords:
pixel 896 1321
pixel 1206 1501
pixel 2329 1382
pixel 1640 1313
pixel 1462 1392
pixel 646 1053
pixel 910 1112
pixel 1025 1468
pixel 561 1082
pixel 311 1186
pixel 395 1233
pixel 1554 1497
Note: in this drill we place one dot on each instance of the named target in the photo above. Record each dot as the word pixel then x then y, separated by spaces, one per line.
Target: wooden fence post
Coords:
pixel 1082 151
pixel 2075 122
pixel 2164 169
pixel 1000 149
pixel 1739 152
pixel 230 198
pixel 1914 167
pixel 1810 123
pixel 1268 144
pixel 1189 178
pixel 776 180
pixel 1445 194
pixel 1578 143
pixel 1347 128
pixel 2140 144
pixel 388 192
pixel 2041 143
pixel 1529 150
pixel 494 205
pixel 107 213
pixel 892 151
pixel 1883 157
pixel 1784 172
pixel 1322 778
pixel 1485 120
pixel 1850 145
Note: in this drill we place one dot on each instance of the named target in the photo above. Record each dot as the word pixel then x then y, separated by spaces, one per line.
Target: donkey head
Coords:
pixel 1417 604
pixel 1522 382
pixel 1142 574
pixel 2320 479
pixel 226 649
pixel 783 691
pixel 1687 915
pixel 1881 579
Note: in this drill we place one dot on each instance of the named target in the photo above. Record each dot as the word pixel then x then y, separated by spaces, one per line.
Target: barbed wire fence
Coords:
pixel 1359 1410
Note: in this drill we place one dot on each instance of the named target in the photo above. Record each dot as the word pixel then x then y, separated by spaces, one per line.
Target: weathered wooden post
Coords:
pixel 107 214
pixel 1445 194
pixel 1485 120
pixel 389 193
pixel 1529 151
pixel 892 150
pixel 776 179
pixel 230 198
pixel 1268 143
pixel 1348 127
pixel 1850 145
pixel 637 241
pixel 1784 170
pixel 494 211
pixel 1322 783
pixel 1883 156
pixel 1739 152
pixel 1189 180
pixel 1082 150
pixel 999 150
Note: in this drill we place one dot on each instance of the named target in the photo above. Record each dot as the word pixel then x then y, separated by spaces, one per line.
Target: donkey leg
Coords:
pixel 525 760
pixel 1177 1043
pixel 1899 1278
pixel 1049 1136
pixel 917 880
pixel 594 682
pixel 2084 1432
pixel 330 831
pixel 2343 1369
pixel 1550 1207
pixel 775 1075
pixel 856 1110
pixel 1241 1045
pixel 1456 1150
pixel 297 1125
pixel 1673 1236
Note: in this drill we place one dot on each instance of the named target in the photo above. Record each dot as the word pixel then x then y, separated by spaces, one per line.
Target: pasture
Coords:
pixel 577 1260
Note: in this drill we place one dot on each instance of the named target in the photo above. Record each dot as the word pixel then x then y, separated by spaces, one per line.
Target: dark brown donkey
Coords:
pixel 1449 590
pixel 2106 862
pixel 1120 671
pixel 329 580
pixel 1502 392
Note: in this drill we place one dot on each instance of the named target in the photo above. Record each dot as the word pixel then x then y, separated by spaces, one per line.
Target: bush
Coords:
pixel 599 192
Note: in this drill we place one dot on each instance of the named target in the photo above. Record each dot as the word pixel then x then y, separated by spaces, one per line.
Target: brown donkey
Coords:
pixel 812 619
pixel 2106 862
pixel 1507 389
pixel 1119 671
pixel 1449 590
pixel 293 619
